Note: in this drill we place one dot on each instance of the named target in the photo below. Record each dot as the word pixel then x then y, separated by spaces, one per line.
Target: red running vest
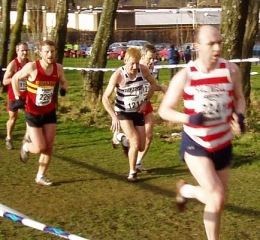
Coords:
pixel 40 91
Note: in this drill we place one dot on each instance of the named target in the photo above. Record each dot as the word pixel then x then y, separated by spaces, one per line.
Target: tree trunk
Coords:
pixel 5 31
pixel 93 81
pixel 60 31
pixel 239 26
pixel 17 30
pixel 59 35
pixel 248 44
pixel 233 23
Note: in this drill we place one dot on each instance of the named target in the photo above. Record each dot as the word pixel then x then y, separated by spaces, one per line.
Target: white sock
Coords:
pixel 119 136
pixel 132 172
pixel 39 176
pixel 139 161
pixel 187 191
pixel 25 147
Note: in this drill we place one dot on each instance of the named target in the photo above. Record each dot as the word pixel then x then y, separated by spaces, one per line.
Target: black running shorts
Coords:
pixel 220 158
pixel 137 118
pixel 39 120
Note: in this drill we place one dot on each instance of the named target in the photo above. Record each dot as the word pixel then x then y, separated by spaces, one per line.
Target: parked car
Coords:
pixel 137 43
pixel 116 44
pixel 163 54
pixel 160 46
pixel 116 53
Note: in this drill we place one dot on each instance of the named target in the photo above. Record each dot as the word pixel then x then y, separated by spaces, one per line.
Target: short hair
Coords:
pixel 47 43
pixel 132 52
pixel 20 44
pixel 148 48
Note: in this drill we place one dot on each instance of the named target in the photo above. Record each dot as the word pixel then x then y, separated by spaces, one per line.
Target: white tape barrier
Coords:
pixel 156 66
pixel 16 216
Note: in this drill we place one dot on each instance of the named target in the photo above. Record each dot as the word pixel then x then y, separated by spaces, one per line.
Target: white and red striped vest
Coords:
pixel 212 94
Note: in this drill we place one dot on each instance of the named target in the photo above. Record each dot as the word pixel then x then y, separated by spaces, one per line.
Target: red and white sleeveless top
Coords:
pixel 212 94
pixel 22 83
pixel 40 91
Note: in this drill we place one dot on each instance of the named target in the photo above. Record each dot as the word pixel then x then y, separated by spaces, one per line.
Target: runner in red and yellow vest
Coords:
pixel 22 83
pixel 40 91
pixel 13 67
pixel 40 109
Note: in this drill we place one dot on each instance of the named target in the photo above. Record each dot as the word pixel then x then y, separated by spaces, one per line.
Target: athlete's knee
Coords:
pixel 217 199
pixel 134 143
pixel 39 148
pixel 12 120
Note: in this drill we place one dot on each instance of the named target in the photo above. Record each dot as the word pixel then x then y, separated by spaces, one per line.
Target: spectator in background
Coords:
pixel 156 71
pixel 187 54
pixel 173 58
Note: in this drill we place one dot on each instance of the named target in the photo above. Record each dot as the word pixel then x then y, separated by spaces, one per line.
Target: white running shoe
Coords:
pixel 132 177
pixel 140 168
pixel 180 200
pixel 9 144
pixel 43 181
pixel 24 156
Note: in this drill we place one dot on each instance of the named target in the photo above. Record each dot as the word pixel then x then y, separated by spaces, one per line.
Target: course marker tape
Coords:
pixel 156 66
pixel 25 220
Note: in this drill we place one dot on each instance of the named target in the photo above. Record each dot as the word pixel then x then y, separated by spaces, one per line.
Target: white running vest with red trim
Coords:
pixel 130 96
pixel 212 94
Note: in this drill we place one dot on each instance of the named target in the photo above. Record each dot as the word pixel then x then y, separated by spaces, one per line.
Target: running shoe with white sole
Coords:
pixel 132 177
pixel 24 156
pixel 9 144
pixel 180 200
pixel 140 168
pixel 43 181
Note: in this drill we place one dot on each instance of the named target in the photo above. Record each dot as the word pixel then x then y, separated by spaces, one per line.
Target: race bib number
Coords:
pixel 131 104
pixel 43 96
pixel 22 85
pixel 146 88
pixel 213 106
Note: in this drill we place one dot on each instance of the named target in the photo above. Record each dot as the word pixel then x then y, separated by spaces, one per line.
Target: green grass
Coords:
pixel 91 196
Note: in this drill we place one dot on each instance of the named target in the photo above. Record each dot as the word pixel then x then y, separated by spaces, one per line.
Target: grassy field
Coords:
pixel 91 197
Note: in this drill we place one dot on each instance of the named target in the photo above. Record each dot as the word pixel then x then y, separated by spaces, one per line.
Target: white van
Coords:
pixel 137 44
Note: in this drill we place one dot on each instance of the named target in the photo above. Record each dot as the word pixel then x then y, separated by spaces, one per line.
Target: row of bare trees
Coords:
pixel 239 27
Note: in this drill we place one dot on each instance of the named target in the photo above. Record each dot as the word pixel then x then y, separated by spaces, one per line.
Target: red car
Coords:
pixel 163 54
pixel 116 53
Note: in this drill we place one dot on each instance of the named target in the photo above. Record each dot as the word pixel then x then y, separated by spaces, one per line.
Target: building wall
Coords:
pixel 88 21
